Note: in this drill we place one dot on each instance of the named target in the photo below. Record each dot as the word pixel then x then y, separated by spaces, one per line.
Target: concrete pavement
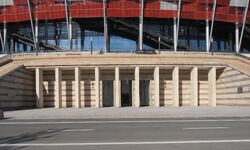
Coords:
pixel 130 112
pixel 123 134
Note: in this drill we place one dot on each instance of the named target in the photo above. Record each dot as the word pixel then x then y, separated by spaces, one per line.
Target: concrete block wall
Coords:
pixel 184 87
pixel 49 88
pixel 166 87
pixel 88 88
pixel 203 87
pixel 17 90
pixel 233 87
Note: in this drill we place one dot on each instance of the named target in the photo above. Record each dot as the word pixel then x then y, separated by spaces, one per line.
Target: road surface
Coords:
pixel 124 134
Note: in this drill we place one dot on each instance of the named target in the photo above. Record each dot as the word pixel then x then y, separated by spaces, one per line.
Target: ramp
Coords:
pixel 10 67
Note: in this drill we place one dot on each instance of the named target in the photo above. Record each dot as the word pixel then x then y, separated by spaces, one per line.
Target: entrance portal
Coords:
pixel 144 93
pixel 126 93
pixel 108 96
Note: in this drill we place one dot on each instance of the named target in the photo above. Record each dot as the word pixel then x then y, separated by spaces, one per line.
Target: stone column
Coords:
pixel 157 86
pixel 117 88
pixel 97 87
pixel 212 87
pixel 39 88
pixel 194 86
pixel 58 88
pixel 77 87
pixel 175 83
pixel 137 87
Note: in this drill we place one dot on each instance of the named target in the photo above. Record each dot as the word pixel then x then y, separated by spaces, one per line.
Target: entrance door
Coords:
pixel 108 96
pixel 126 93
pixel 144 92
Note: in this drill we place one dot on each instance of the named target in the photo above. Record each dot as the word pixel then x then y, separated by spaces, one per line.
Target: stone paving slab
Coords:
pixel 144 112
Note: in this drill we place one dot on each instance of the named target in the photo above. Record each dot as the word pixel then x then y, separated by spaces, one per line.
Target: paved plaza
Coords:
pixel 129 112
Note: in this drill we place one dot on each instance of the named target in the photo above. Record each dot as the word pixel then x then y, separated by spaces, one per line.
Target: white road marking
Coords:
pixel 72 130
pixel 127 143
pixel 204 128
pixel 114 121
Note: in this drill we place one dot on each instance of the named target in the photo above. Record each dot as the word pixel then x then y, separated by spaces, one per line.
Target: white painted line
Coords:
pixel 109 122
pixel 78 130
pixel 127 143
pixel 205 128
pixel 71 130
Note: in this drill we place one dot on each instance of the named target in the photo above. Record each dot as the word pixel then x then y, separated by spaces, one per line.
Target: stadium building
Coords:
pixel 121 53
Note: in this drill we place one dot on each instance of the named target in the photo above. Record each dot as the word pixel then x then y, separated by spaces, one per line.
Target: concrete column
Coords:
pixel 194 86
pixel 39 88
pixel 207 36
pixel 157 86
pixel 117 88
pixel 175 83
pixel 237 37
pixel 212 87
pixel 97 87
pixel 137 87
pixel 58 88
pixel 77 87
pixel 175 34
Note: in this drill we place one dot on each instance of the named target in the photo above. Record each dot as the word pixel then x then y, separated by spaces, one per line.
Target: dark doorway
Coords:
pixel 108 96
pixel 144 93
pixel 126 93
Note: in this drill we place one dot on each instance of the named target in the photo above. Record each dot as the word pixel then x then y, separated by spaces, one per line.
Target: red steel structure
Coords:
pixel 55 9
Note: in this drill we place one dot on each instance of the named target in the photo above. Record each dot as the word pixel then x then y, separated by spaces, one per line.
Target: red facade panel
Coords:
pixel 55 9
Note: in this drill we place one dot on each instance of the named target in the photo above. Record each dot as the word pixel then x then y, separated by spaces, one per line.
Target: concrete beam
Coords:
pixel 97 87
pixel 194 86
pixel 58 88
pixel 39 88
pixel 137 87
pixel 175 82
pixel 77 87
pixel 117 87
pixel 212 87
pixel 157 86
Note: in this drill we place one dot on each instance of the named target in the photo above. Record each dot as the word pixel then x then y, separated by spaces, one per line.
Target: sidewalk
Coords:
pixel 144 112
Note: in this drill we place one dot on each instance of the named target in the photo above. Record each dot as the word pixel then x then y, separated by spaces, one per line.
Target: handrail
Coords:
pixel 82 53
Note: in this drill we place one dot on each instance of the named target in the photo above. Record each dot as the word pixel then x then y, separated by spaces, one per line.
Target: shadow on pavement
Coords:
pixel 27 138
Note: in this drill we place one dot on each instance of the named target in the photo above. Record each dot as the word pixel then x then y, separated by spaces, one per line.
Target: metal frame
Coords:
pixel 243 26
pixel 1 40
pixel 141 26
pixel 32 26
pixel 68 23
pixel 177 25
pixel 212 25
pixel 105 28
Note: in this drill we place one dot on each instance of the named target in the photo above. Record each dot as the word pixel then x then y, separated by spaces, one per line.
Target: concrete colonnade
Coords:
pixel 194 84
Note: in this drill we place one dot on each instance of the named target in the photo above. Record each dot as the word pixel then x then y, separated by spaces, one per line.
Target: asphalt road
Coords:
pixel 138 134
